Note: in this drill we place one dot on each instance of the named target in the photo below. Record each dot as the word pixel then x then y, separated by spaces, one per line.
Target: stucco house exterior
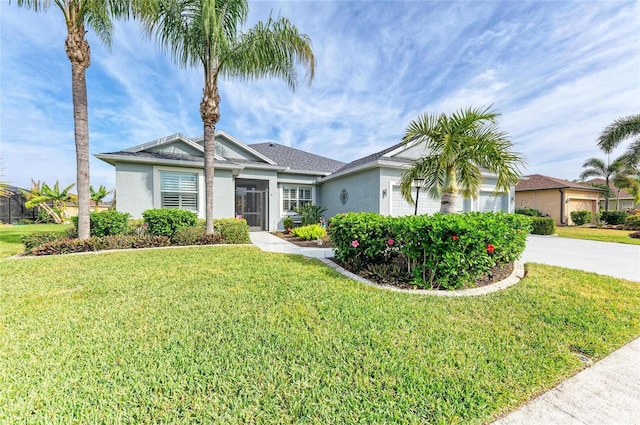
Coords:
pixel 264 182
pixel 621 199
pixel 555 197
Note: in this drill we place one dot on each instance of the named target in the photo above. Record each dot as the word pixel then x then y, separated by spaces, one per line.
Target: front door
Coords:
pixel 251 203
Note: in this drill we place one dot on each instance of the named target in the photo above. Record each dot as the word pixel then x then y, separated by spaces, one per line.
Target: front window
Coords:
pixel 179 190
pixel 295 196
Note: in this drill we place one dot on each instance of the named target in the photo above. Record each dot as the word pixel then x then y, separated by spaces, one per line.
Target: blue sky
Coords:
pixel 557 71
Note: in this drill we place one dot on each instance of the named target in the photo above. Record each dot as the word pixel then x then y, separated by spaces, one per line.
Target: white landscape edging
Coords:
pixel 514 277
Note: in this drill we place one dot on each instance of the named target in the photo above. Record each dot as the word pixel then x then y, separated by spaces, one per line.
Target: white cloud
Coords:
pixel 558 71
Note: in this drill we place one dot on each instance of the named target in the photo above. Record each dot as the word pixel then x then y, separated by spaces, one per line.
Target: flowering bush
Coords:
pixel 441 251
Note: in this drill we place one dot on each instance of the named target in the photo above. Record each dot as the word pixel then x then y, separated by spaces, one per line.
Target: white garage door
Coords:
pixel 426 204
pixel 489 202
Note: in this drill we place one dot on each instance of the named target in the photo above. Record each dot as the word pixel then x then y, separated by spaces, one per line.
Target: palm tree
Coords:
pixel 97 15
pixel 459 146
pixel 207 34
pixel 619 131
pixel 595 167
pixel 98 195
pixel 41 196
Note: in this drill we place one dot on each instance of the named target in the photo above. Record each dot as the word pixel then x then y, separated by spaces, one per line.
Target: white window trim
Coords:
pixel 157 196
pixel 281 186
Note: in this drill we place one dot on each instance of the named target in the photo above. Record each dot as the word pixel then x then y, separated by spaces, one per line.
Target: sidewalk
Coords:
pixel 606 393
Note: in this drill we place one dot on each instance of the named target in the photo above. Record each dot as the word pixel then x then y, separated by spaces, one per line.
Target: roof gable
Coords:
pixel 230 148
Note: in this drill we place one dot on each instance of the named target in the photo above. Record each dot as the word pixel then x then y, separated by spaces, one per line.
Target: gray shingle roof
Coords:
pixel 372 158
pixel 159 155
pixel 297 159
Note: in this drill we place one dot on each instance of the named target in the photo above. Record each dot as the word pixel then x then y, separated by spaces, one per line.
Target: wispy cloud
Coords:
pixel 558 72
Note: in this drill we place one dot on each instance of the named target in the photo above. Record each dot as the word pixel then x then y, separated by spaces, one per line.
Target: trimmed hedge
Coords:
pixel 68 246
pixel 35 239
pixel 106 223
pixel 440 251
pixel 195 236
pixel 581 217
pixel 614 217
pixel 632 222
pixel 543 226
pixel 531 212
pixel 165 222
pixel 232 230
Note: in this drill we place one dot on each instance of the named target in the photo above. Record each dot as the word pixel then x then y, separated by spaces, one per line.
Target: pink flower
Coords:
pixel 454 237
pixel 355 244
pixel 390 242
pixel 490 248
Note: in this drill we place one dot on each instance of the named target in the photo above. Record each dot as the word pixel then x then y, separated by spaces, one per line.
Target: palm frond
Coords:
pixel 618 131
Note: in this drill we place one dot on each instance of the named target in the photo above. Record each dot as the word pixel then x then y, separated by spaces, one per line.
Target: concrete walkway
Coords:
pixel 607 392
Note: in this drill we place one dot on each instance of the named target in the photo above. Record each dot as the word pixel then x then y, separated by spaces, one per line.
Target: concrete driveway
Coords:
pixel 607 258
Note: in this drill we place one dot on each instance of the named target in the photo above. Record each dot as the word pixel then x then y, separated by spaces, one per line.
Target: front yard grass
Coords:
pixel 224 334
pixel 10 235
pixel 596 234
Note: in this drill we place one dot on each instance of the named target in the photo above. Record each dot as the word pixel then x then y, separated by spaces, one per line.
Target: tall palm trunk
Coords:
pixel 210 113
pixel 606 194
pixel 77 49
pixel 449 198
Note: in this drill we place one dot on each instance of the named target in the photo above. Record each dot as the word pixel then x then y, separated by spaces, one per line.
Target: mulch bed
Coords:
pixel 326 241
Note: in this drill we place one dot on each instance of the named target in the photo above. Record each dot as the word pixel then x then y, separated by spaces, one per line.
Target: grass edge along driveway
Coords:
pixel 236 335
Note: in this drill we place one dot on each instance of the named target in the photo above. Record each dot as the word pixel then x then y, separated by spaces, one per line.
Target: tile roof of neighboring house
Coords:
pixel 373 158
pixel 296 159
pixel 540 182
pixel 623 193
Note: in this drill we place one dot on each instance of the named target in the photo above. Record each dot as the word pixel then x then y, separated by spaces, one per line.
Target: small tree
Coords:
pixel 458 146
pixel 98 195
pixel 41 195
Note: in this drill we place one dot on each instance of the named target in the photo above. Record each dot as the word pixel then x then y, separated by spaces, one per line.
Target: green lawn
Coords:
pixel 10 242
pixel 595 234
pixel 225 334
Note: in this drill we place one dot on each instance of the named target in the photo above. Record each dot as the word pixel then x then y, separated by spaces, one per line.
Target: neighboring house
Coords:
pixel 621 199
pixel 12 207
pixel 555 197
pixel 264 182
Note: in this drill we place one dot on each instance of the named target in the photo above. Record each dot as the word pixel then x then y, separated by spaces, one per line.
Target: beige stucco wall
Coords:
pixel 548 202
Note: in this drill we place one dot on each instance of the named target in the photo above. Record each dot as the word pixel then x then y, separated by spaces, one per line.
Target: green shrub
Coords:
pixel 232 230
pixel 310 214
pixel 25 221
pixel 614 217
pixel 195 236
pixel 68 246
pixel 440 251
pixel 188 235
pixel 136 226
pixel 165 222
pixel 40 238
pixel 532 212
pixel 106 223
pixel 543 226
pixel 287 222
pixel 310 232
pixel 44 217
pixel 632 222
pixel 581 217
